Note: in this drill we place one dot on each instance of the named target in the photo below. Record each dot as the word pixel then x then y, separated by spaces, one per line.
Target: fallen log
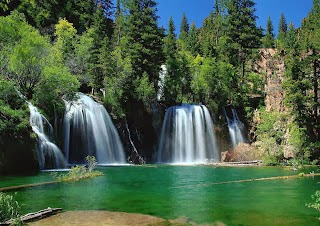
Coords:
pixel 26 186
pixel 244 162
pixel 250 180
pixel 35 216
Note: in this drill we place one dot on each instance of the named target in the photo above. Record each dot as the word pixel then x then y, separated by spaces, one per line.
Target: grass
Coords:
pixel 9 209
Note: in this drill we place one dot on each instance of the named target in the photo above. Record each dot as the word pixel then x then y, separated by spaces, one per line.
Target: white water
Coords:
pixel 49 155
pixel 187 136
pixel 88 130
pixel 161 81
pixel 236 129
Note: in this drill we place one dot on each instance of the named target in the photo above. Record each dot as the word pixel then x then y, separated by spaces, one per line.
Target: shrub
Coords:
pixel 80 172
pixel 9 209
pixel 316 204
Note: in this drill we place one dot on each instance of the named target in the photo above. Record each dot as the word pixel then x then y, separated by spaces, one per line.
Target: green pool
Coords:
pixel 173 192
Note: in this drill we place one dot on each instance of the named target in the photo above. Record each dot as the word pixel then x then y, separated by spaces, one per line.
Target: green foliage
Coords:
pixel 9 208
pixel 302 77
pixel 116 83
pixel 144 90
pixel 268 40
pixel 184 32
pixel 270 135
pixel 14 112
pixel 65 33
pixel 282 31
pixel 316 204
pixel 80 172
pixel 57 83
pixel 145 40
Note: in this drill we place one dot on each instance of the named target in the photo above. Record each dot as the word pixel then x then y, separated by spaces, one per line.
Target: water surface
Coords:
pixel 172 192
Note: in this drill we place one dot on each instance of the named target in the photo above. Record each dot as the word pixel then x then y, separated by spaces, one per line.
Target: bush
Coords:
pixel 80 172
pixel 9 209
pixel 316 204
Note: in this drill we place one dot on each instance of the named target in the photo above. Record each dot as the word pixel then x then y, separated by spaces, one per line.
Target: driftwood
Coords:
pixel 34 216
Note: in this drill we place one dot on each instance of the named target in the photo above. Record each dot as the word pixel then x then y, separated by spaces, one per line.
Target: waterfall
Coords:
pixel 49 155
pixel 88 130
pixel 161 81
pixel 187 136
pixel 236 129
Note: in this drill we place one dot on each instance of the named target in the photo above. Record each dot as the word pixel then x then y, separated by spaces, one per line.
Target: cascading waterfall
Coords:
pixel 88 130
pixel 187 136
pixel 49 155
pixel 161 81
pixel 236 129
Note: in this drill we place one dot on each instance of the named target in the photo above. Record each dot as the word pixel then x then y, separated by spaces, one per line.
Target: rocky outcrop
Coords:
pixel 243 152
pixel 272 65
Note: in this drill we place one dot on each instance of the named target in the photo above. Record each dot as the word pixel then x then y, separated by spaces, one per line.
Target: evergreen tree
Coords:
pixel 212 30
pixel 144 42
pixel 303 76
pixel 193 45
pixel 242 38
pixel 101 35
pixel 310 43
pixel 184 31
pixel 268 40
pixel 291 37
pixel 207 38
pixel 283 27
pixel 242 34
pixel 172 77
pixel 282 31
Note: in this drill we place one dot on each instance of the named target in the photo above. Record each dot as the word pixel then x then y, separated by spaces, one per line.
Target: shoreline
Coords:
pixel 108 218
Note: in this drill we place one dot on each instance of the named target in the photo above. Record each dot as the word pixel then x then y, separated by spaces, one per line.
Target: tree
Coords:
pixel 310 43
pixel 268 40
pixel 193 45
pixel 23 52
pixel 184 31
pixel 212 30
pixel 65 34
pixel 282 31
pixel 302 81
pixel 101 34
pixel 242 33
pixel 57 83
pixel 241 39
pixel 283 27
pixel 144 41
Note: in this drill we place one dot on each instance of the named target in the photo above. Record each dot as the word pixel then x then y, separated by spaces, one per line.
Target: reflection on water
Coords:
pixel 184 191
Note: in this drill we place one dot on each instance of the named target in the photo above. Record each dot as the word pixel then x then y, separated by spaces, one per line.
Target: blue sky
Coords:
pixel 198 10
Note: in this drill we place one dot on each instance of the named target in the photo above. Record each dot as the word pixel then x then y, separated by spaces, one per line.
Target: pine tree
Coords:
pixel 242 34
pixel 184 32
pixel 283 27
pixel 310 43
pixel 303 76
pixel 268 40
pixel 172 77
pixel 144 41
pixel 102 31
pixel 282 31
pixel 193 45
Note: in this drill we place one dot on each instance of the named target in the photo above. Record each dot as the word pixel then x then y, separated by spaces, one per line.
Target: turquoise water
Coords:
pixel 173 192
